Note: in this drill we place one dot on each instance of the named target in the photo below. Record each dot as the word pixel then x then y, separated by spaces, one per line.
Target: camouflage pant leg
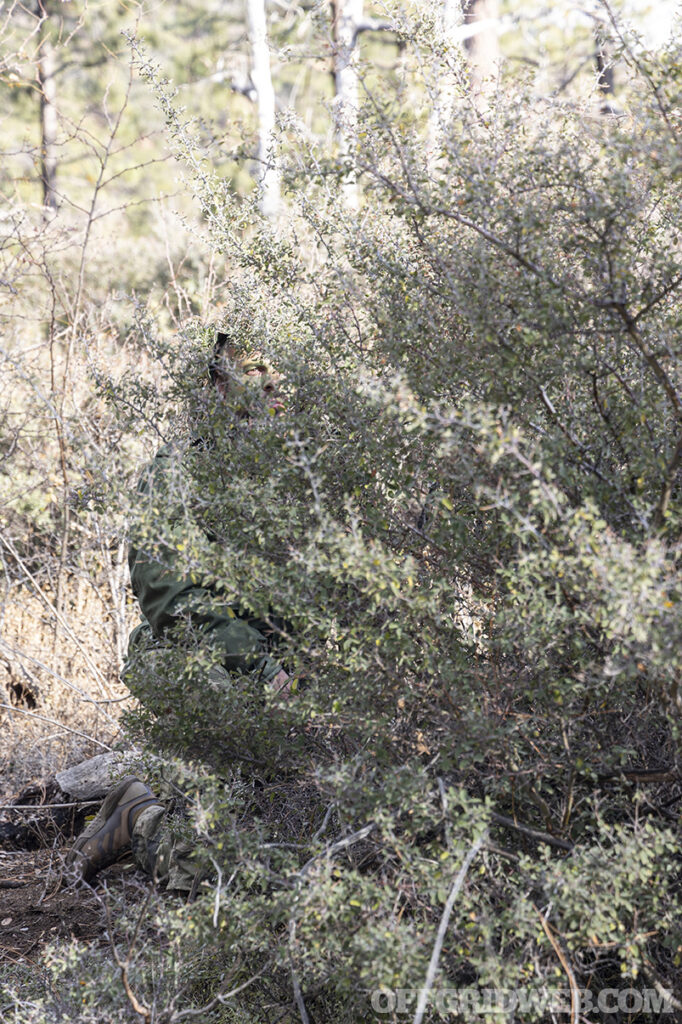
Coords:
pixel 162 850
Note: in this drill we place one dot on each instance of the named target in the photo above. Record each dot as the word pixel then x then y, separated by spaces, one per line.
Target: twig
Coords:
pixel 442 929
pixel 341 844
pixel 371 25
pixel 649 357
pixel 444 805
pixel 298 995
pixel 323 827
pixel 532 833
pixel 48 807
pixel 123 965
pixel 362 833
pixel 641 775
pixel 51 721
pixel 216 908
pixel 220 999
pixel 575 994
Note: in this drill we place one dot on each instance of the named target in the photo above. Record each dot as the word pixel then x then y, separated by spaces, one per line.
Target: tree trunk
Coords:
pixel 268 171
pixel 346 17
pixel 605 75
pixel 48 120
pixel 482 48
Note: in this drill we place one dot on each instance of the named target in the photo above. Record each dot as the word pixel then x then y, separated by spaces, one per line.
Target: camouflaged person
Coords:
pixel 132 816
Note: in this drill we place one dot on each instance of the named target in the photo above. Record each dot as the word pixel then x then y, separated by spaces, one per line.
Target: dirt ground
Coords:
pixel 36 909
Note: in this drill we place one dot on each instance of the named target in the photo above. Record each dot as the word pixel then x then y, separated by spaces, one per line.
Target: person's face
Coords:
pixel 255 385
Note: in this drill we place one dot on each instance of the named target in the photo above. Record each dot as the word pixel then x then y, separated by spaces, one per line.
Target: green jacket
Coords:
pixel 166 597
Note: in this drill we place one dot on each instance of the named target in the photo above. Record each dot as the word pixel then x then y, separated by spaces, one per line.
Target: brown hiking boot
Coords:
pixel 109 833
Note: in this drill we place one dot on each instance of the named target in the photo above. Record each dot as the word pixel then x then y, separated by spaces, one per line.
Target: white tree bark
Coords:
pixel 347 19
pixel 268 171
pixel 482 47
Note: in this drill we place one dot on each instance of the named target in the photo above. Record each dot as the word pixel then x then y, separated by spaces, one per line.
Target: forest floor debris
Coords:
pixel 37 909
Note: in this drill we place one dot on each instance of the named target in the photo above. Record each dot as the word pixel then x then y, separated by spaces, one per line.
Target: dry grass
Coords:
pixel 59 684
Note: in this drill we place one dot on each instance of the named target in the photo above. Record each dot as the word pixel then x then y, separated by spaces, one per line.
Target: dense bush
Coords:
pixel 469 517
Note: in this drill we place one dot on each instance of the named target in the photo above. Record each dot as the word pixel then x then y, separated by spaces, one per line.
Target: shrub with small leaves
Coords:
pixel 464 529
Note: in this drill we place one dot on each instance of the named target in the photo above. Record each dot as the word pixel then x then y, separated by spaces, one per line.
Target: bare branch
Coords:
pixel 443 927
pixel 370 25
pixel 220 999
pixel 575 994
pixel 649 357
pixel 532 833
pixel 49 807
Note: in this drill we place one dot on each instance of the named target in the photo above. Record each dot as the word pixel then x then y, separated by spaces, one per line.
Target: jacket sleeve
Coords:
pixel 166 597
